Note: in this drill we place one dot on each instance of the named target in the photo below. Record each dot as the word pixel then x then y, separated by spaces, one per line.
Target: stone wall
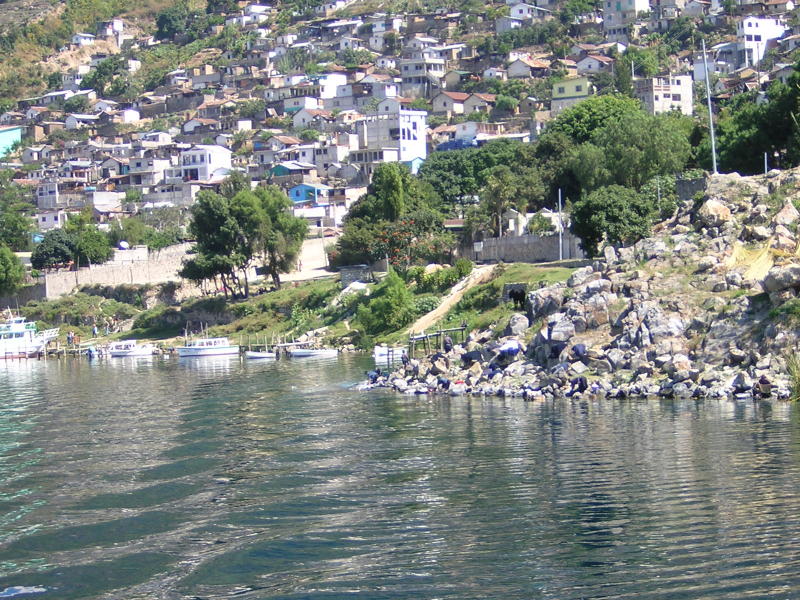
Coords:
pixel 160 266
pixel 525 248
pixel 687 188
pixel 37 291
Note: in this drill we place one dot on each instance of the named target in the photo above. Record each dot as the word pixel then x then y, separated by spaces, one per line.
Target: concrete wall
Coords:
pixel 36 291
pixel 687 188
pixel 159 267
pixel 525 248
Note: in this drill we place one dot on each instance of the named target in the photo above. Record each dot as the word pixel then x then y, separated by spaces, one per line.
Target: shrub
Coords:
pixel 425 304
pixel 390 309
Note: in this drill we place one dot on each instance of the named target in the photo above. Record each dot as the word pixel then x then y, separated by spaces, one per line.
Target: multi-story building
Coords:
pixel 619 16
pixel 205 162
pixel 663 94
pixel 753 34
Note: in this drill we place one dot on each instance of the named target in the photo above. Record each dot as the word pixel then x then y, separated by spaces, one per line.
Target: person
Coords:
pixel 404 359
pixel 509 350
pixel 578 385
pixel 373 375
pixel 94 330
pixel 579 351
pixel 763 387
pixel 70 338
pixel 448 343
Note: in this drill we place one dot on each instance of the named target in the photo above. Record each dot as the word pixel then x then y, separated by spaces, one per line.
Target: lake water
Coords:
pixel 215 479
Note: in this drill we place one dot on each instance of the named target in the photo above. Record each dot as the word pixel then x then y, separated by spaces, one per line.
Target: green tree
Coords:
pixel 282 234
pixel 221 246
pixel 15 229
pixel 620 214
pixel 91 247
pixel 500 195
pixel 581 121
pixel 388 187
pixel 172 20
pixel 76 104
pixel 100 78
pixel 56 248
pixel 12 273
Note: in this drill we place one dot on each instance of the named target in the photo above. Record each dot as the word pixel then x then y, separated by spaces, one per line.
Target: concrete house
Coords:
pixel 205 163
pixel 663 94
pixel 595 63
pixel 570 92
pixel 449 103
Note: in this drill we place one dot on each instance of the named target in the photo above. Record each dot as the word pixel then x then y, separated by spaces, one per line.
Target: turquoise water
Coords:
pixel 215 478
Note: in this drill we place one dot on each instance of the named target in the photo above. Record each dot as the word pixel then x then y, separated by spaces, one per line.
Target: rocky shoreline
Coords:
pixel 692 311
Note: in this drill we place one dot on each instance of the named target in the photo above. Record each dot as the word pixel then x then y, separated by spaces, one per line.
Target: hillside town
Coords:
pixel 404 94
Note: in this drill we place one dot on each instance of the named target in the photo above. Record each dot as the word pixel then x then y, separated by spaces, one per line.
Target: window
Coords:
pixel 578 88
pixel 560 90
pixel 676 97
pixel 757 38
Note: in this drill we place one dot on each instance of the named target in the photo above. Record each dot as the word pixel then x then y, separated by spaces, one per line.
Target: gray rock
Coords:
pixel 562 330
pixel 706 263
pixel 580 276
pixel 782 277
pixel 610 255
pixel 756 233
pixel 714 213
pixel 518 324
pixel 786 215
pixel 545 302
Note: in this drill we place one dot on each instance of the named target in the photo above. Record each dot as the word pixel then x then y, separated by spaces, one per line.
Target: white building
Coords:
pixel 753 34
pixel 663 94
pixel 400 134
pixel 205 163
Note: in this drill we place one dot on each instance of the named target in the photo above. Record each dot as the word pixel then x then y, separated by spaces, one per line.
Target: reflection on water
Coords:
pixel 215 477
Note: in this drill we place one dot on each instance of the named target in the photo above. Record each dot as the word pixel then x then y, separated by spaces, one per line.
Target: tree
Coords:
pixel 91 247
pixel 506 103
pixel 390 308
pixel 172 20
pixel 500 195
pixel 76 104
pixel 621 214
pixel 15 229
pixel 12 273
pixel 221 245
pixel 282 234
pixel 387 186
pixel 581 121
pixel 56 248
pixel 221 6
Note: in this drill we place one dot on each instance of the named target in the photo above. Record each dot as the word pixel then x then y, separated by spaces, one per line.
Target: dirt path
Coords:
pixel 479 275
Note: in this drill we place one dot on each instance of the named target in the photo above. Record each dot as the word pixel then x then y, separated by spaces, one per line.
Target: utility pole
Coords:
pixel 710 113
pixel 560 229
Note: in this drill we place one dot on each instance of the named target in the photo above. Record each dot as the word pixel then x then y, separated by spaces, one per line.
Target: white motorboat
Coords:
pixel 384 354
pixel 130 348
pixel 255 355
pixel 20 339
pixel 315 352
pixel 208 347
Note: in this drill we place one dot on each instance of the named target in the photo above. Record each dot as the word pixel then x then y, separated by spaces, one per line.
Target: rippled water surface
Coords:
pixel 215 478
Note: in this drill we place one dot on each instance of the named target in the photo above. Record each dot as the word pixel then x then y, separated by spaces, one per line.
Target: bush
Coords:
pixel 425 304
pixel 390 309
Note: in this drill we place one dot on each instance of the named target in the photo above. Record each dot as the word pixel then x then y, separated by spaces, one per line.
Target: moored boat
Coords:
pixel 255 354
pixel 208 347
pixel 316 352
pixel 20 339
pixel 130 348
pixel 383 353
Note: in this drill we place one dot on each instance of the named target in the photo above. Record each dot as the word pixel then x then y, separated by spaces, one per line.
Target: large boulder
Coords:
pixel 782 278
pixel 517 325
pixel 545 302
pixel 786 216
pixel 714 213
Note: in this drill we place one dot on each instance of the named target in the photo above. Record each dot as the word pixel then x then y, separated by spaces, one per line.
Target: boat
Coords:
pixel 255 354
pixel 207 347
pixel 315 352
pixel 130 348
pixel 384 354
pixel 20 339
